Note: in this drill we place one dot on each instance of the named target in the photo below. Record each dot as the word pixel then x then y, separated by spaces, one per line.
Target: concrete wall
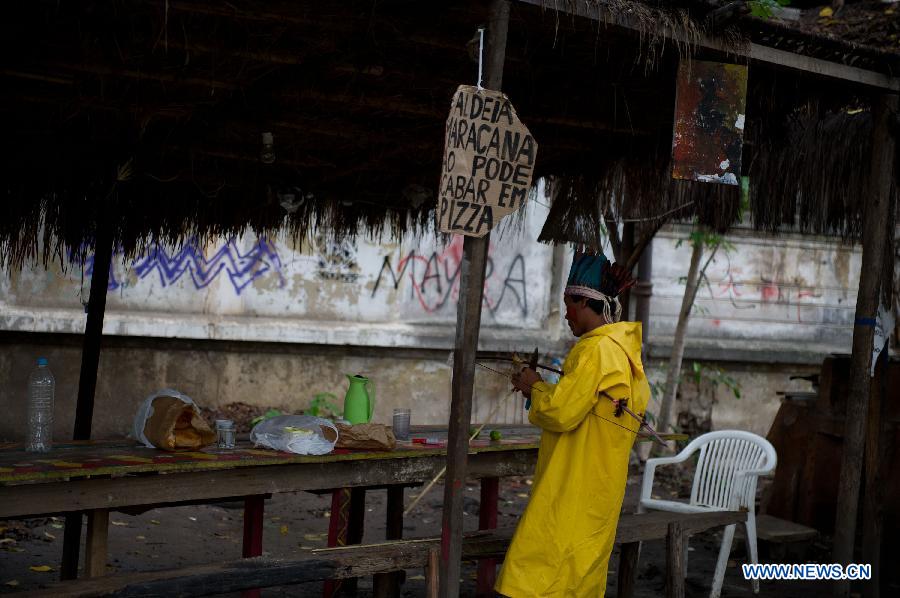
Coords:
pixel 271 322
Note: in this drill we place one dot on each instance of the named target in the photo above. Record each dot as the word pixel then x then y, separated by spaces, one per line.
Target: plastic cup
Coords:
pixel 401 424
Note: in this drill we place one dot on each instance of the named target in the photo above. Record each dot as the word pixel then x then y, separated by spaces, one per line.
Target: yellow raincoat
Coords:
pixel 564 539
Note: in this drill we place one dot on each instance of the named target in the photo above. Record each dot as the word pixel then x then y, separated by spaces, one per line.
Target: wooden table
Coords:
pixel 98 476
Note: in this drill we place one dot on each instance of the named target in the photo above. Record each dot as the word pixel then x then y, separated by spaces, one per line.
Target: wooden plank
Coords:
pixel 87 494
pixel 352 561
pixel 675 561
pixel 779 531
pixel 468 321
pixel 875 231
pixel 96 544
pixel 754 52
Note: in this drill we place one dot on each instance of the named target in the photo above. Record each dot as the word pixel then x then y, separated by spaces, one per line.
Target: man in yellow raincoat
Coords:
pixel 564 540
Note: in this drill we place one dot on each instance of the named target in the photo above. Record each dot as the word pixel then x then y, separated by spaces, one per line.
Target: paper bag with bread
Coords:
pixel 171 421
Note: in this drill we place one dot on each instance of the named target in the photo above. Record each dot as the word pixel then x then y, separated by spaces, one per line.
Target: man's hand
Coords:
pixel 525 379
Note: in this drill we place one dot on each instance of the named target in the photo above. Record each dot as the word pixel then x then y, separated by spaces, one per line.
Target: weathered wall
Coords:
pixel 270 323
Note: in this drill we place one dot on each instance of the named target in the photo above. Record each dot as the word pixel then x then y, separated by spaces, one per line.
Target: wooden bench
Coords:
pixel 371 559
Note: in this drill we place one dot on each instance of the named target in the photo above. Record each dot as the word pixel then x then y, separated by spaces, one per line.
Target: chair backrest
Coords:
pixel 722 455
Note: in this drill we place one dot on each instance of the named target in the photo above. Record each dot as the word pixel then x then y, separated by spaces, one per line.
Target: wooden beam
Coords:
pixel 468 322
pixel 97 542
pixel 355 561
pixel 87 379
pixel 753 51
pixel 875 230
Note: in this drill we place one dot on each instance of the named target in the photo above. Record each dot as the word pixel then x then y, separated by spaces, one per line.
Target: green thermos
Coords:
pixel 358 405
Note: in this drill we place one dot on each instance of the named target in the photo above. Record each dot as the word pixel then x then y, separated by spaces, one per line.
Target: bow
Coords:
pixel 621 404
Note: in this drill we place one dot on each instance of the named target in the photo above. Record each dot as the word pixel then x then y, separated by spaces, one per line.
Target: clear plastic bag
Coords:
pixel 299 434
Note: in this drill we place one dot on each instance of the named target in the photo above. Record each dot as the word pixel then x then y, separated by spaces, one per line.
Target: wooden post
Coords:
pixel 877 215
pixel 877 475
pixel 254 507
pixel 629 554
pixel 87 380
pixel 432 570
pixel 487 519
pixel 643 290
pixel 626 250
pixel 468 321
pixel 675 561
pixel 96 543
pixel 387 585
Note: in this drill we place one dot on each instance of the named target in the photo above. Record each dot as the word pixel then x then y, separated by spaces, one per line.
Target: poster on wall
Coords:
pixel 488 162
pixel 710 103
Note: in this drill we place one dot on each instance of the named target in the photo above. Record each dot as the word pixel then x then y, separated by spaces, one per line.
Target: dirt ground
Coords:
pixel 182 536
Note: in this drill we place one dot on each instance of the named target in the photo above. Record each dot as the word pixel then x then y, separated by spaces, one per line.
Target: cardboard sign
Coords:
pixel 488 163
pixel 708 140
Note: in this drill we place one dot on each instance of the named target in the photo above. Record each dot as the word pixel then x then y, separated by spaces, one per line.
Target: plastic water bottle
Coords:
pixel 41 389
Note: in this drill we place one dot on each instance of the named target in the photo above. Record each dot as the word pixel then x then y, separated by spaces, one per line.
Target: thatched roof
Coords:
pixel 148 115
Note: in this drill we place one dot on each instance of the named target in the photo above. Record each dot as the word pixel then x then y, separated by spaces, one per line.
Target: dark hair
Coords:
pixel 597 306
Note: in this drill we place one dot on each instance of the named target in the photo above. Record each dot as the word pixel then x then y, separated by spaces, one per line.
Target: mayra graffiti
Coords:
pixel 434 278
pixel 240 267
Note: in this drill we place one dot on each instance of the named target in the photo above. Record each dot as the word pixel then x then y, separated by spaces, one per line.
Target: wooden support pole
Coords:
pixel 877 211
pixel 87 380
pixel 643 290
pixel 877 475
pixel 254 508
pixel 96 543
pixel 387 585
pixel 629 554
pixel 487 519
pixel 675 561
pixel 468 321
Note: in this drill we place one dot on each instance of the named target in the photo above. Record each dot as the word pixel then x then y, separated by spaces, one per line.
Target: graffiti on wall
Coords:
pixel 241 268
pixel 433 279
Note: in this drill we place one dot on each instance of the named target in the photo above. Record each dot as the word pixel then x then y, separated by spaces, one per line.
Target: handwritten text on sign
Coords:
pixel 488 162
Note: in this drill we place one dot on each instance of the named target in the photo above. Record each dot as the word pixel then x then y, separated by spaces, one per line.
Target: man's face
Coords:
pixel 574 310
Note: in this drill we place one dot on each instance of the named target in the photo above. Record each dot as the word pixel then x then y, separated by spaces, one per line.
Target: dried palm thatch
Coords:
pixel 144 117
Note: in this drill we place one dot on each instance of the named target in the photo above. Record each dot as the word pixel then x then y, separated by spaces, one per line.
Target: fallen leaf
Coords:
pixel 415 577
pixel 313 537
pixel 140 538
pixel 119 523
pixel 49 535
pixel 154 522
pixel 56 525
pixel 41 568
pixel 7 541
pixel 192 518
pixel 14 549
pixel 283 530
pixel 529 482
pixel 275 518
pixel 826 12
pixel 12 583
pixel 522 495
pixel 327 514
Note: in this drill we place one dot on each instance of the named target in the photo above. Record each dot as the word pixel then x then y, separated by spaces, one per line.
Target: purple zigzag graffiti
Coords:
pixel 242 268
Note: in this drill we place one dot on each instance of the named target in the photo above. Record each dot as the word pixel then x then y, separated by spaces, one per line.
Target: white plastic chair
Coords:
pixel 725 480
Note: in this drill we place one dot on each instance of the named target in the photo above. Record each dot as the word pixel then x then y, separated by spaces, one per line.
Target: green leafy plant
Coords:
pixel 324 405
pixel 267 415
pixel 765 9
